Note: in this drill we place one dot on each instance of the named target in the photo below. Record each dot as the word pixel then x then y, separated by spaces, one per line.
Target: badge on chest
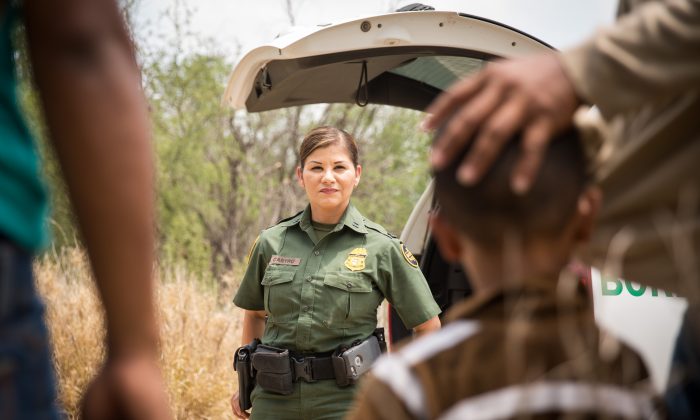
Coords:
pixel 356 259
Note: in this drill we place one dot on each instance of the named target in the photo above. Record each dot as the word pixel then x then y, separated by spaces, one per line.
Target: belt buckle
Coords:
pixel 303 369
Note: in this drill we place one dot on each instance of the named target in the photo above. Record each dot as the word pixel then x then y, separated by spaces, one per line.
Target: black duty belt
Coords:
pixel 277 369
pixel 312 368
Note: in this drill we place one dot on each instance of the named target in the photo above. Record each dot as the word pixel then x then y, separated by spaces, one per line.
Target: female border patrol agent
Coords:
pixel 314 283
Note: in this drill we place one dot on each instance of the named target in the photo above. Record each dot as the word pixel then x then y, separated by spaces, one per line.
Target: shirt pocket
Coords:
pixel 348 299
pixel 281 301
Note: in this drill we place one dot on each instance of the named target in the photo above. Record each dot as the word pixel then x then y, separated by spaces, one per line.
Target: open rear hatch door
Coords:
pixel 402 59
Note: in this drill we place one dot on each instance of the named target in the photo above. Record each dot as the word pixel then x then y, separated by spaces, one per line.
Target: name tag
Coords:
pixel 279 260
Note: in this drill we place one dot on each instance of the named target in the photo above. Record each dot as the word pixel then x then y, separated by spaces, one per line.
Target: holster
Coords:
pixel 274 369
pixel 349 363
pixel 242 364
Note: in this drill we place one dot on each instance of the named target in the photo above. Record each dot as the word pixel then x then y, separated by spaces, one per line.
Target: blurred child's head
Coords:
pixel 558 209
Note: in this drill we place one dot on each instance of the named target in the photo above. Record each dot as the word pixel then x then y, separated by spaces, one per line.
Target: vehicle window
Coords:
pixel 439 71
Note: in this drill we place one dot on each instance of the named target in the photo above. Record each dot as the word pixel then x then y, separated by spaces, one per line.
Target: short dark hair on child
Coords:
pixel 489 210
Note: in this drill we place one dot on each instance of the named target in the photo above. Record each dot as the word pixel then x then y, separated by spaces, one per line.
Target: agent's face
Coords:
pixel 329 177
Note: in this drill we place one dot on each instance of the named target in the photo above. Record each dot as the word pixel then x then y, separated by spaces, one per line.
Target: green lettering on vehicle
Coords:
pixel 607 290
pixel 633 291
pixel 615 287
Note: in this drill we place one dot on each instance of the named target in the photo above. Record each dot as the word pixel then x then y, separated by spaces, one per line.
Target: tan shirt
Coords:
pixel 505 355
pixel 644 76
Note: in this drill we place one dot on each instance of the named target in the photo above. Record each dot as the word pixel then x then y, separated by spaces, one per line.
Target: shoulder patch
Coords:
pixel 410 259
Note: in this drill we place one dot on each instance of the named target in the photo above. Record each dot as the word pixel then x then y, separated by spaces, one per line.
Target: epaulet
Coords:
pixel 378 228
pixel 288 219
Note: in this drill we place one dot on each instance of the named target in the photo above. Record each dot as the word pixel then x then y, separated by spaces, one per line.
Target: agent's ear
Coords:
pixel 300 179
pixel 358 174
pixel 588 206
pixel 446 237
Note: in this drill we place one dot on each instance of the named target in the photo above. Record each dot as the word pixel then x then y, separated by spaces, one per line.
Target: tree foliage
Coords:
pixel 222 176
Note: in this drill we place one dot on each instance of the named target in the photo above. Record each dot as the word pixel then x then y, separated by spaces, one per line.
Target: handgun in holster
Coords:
pixel 243 365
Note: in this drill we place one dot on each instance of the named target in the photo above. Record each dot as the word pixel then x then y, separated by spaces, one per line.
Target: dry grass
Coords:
pixel 199 335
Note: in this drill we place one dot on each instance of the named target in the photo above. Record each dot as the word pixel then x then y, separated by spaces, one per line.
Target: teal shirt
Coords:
pixel 23 201
pixel 319 294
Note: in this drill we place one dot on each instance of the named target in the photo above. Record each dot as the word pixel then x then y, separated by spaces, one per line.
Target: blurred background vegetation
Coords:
pixel 225 175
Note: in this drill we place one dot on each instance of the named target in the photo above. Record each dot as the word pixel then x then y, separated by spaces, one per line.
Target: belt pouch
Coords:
pixel 350 363
pixel 274 369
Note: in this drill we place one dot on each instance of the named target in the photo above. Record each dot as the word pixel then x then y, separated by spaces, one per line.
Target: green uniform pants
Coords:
pixel 322 400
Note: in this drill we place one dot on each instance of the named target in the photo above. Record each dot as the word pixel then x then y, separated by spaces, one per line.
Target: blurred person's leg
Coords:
pixel 27 383
pixel 683 393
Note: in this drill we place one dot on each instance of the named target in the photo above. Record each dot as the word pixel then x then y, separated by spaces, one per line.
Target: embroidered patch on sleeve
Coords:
pixel 410 259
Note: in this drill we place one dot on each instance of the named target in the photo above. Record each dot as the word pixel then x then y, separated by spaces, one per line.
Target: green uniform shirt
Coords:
pixel 319 294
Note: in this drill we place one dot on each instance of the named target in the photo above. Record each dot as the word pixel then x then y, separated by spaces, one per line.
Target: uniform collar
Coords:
pixel 354 220
pixel 350 218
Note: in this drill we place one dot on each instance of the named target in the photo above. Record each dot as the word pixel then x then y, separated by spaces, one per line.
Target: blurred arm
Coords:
pixel 430 325
pixel 85 69
pixel 649 54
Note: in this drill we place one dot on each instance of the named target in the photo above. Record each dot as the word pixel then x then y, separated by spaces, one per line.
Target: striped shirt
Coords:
pixel 518 354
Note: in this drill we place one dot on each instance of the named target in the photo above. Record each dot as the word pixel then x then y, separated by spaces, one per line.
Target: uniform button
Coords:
pixel 307 308
pixel 316 253
pixel 349 285
pixel 308 278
